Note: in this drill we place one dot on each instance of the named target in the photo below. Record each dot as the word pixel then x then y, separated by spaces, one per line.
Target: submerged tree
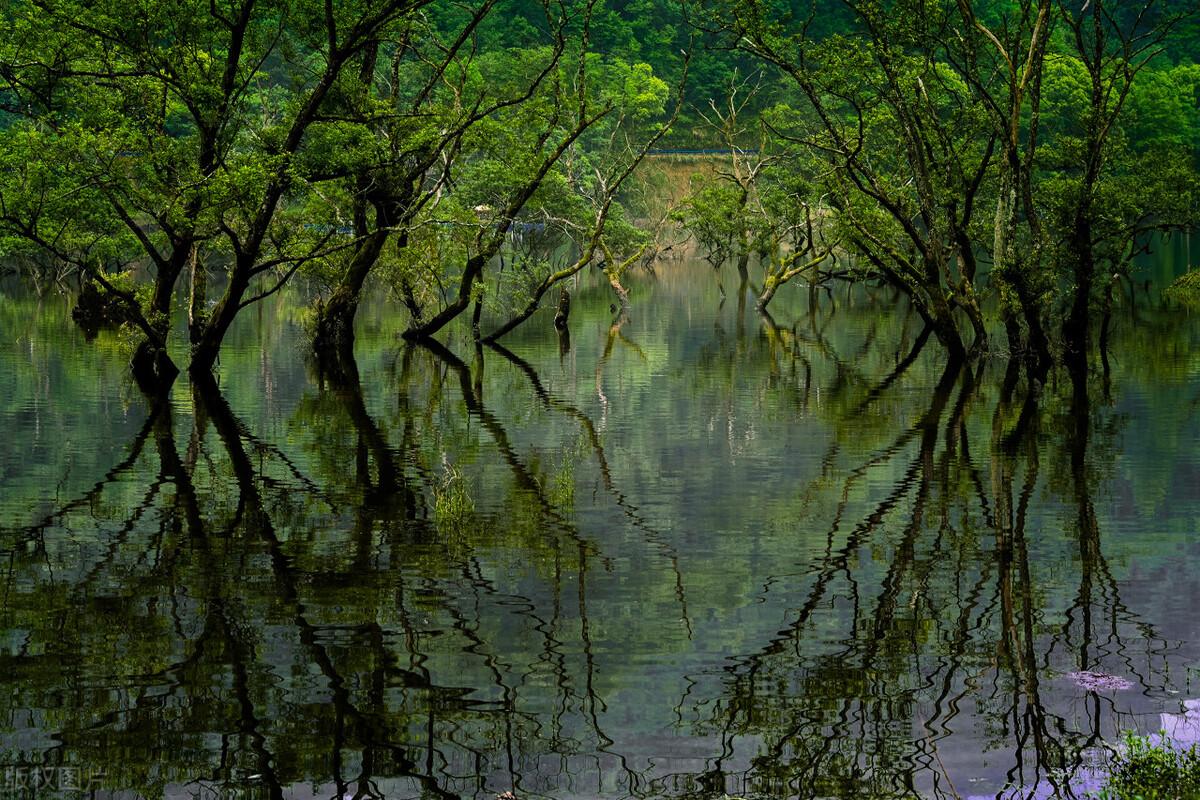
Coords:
pixel 720 212
pixel 496 153
pixel 184 124
pixel 594 178
pixel 438 111
pixel 999 52
pixel 1112 177
pixel 907 150
pixel 926 112
pixel 411 109
pixel 257 140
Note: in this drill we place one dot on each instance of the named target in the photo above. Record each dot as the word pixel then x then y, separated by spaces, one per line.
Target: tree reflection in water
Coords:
pixel 237 613
pixel 864 717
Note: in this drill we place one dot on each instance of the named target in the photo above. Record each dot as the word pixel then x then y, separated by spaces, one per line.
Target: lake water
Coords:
pixel 688 553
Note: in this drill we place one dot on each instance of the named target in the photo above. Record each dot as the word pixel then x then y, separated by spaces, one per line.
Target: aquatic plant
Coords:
pixel 453 508
pixel 1153 768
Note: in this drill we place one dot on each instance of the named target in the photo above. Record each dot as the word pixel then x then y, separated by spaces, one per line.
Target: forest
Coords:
pixel 600 398
pixel 475 159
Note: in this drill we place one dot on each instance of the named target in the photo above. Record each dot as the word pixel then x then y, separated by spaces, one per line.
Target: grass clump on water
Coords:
pixel 453 508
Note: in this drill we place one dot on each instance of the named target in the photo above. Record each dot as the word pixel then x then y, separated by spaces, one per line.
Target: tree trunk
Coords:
pixel 334 331
pixel 770 286
pixel 564 341
pixel 1077 326
pixel 206 350
pixel 1038 341
pixel 939 312
pixel 564 309
pixel 418 330
pixel 980 342
pixel 614 280
pixel 1012 304
pixel 743 263
pixel 208 345
pixel 168 275
pixel 941 319
pixel 197 298
pixel 153 369
pixel 334 334
pixel 151 365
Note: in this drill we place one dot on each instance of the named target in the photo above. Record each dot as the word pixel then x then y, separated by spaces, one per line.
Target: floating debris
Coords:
pixel 1100 681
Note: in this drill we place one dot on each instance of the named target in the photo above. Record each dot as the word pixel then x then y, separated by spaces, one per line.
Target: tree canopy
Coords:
pixel 1020 152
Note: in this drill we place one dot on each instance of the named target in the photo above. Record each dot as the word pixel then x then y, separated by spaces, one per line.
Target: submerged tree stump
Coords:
pixel 564 309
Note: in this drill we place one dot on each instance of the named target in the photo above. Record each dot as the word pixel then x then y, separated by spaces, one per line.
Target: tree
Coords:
pixel 1107 192
pixel 799 243
pixel 906 147
pixel 186 123
pixel 761 201
pixel 721 212
pixel 572 111
pixel 1002 63
pixel 595 177
pixel 539 173
pixel 423 120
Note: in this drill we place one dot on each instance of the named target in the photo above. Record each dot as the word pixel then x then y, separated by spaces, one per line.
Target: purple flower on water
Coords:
pixel 1100 681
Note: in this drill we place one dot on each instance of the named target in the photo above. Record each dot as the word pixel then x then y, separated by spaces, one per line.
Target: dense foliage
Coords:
pixel 960 151
pixel 1146 770
pixel 1015 154
pixel 977 164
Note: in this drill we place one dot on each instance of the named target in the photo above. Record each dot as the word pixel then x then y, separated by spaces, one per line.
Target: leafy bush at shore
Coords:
pixel 1149 770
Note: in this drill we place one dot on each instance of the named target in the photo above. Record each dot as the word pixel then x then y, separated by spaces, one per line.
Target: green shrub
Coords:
pixel 1153 771
pixel 1185 290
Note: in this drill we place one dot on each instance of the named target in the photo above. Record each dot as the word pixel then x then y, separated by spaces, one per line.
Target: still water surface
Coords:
pixel 689 552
